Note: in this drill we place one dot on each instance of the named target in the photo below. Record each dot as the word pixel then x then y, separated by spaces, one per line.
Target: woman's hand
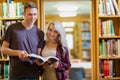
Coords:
pixel 55 64
pixel 38 62
pixel 46 64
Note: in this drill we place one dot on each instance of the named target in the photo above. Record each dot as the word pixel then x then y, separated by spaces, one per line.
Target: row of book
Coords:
pixel 11 9
pixel 4 71
pixel 108 7
pixel 110 48
pixel 85 53
pixel 108 68
pixel 85 26
pixel 86 44
pixel 106 28
pixel 86 35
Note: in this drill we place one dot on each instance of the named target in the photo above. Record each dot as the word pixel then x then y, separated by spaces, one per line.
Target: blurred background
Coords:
pixel 75 16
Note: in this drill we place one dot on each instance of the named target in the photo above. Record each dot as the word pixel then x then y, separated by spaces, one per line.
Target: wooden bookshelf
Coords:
pixel 107 63
pixel 85 40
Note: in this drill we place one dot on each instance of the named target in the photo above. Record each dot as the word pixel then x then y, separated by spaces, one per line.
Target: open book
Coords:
pixel 50 59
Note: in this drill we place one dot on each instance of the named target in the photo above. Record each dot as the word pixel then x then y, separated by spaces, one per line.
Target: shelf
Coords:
pixel 114 78
pixel 4 59
pixel 11 19
pixel 109 37
pixel 86 49
pixel 86 39
pixel 4 79
pixel 109 16
pixel 86 58
pixel 107 57
pixel 85 30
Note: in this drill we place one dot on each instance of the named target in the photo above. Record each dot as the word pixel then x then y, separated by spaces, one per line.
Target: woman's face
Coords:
pixel 52 33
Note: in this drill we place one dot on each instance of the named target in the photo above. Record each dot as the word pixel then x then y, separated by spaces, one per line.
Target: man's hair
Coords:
pixel 30 5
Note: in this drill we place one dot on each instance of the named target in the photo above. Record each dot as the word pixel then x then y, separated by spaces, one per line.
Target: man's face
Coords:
pixel 30 15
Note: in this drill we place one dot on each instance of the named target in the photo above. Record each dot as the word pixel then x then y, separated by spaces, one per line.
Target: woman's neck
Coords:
pixel 51 44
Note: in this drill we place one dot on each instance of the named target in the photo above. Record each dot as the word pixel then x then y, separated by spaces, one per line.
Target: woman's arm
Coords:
pixel 64 63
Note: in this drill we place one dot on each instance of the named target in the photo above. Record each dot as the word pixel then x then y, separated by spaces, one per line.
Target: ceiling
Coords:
pixel 84 7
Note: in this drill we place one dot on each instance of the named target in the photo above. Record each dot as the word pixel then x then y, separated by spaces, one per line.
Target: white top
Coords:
pixel 48 52
pixel 49 73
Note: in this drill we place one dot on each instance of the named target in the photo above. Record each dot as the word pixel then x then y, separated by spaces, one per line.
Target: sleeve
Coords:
pixel 41 39
pixel 8 34
pixel 64 63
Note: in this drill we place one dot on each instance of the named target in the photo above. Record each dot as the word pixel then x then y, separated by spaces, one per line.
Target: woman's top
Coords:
pixel 64 62
pixel 48 52
pixel 49 73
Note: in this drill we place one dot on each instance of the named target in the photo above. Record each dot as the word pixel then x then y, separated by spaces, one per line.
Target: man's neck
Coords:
pixel 27 26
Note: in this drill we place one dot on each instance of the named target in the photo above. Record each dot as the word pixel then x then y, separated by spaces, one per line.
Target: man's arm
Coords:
pixel 6 50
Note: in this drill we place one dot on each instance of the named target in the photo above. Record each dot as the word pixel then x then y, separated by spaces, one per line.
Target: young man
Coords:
pixel 20 40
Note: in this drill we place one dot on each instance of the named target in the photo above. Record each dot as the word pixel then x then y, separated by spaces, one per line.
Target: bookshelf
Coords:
pixel 108 37
pixel 11 12
pixel 85 40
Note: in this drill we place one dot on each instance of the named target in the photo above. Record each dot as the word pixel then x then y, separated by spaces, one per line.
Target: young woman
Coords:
pixel 56 45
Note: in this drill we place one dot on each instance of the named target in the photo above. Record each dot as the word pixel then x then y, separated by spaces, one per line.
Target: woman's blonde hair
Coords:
pixel 60 29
